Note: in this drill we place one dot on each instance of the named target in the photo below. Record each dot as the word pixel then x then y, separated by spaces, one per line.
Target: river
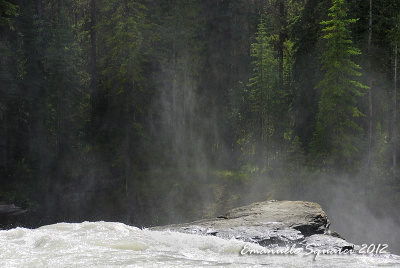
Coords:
pixel 110 244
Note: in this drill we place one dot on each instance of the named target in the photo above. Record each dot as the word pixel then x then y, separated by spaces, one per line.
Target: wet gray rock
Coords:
pixel 326 242
pixel 11 210
pixel 269 223
pixel 10 215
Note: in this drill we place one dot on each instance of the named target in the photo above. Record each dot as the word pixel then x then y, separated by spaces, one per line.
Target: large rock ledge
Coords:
pixel 270 223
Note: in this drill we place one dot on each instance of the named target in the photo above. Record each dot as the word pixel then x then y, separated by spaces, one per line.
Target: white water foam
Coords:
pixel 110 244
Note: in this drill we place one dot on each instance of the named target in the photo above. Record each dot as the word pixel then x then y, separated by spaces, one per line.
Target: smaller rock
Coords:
pixel 326 242
pixel 11 210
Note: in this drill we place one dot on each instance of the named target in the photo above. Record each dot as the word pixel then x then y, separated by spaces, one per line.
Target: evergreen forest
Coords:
pixel 151 112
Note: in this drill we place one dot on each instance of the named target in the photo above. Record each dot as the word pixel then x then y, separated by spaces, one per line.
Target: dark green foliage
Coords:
pixel 306 70
pixel 337 135
pixel 150 112
pixel 264 96
pixel 8 12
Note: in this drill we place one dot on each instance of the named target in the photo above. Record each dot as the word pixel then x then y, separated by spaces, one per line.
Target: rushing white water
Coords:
pixel 109 244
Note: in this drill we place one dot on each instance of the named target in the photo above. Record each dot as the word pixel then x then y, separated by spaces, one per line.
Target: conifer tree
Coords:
pixel 337 134
pixel 262 87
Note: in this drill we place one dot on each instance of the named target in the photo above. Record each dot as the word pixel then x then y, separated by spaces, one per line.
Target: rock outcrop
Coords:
pixel 9 215
pixel 270 223
pixel 11 210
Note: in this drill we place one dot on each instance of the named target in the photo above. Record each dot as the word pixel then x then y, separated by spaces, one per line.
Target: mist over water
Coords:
pixel 187 122
pixel 360 215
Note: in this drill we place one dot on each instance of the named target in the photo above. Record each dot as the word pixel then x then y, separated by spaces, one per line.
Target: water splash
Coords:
pixel 106 244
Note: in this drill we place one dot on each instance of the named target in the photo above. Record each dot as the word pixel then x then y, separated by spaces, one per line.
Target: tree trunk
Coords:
pixel 3 135
pixel 282 37
pixel 95 95
pixel 59 89
pixel 394 127
pixel 39 9
pixel 5 75
pixel 370 105
pixel 127 163
pixel 93 48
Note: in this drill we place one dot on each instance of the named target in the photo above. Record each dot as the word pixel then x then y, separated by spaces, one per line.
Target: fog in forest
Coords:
pixel 151 113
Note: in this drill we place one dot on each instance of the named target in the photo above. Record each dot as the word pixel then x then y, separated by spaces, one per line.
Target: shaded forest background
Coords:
pixel 153 112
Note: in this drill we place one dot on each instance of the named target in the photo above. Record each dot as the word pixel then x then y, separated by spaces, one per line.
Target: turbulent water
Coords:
pixel 105 244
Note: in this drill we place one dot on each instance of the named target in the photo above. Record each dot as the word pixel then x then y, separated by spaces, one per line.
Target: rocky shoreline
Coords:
pixel 270 224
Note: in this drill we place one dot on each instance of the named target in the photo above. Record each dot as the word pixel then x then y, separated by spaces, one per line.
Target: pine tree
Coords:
pixel 337 132
pixel 262 87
